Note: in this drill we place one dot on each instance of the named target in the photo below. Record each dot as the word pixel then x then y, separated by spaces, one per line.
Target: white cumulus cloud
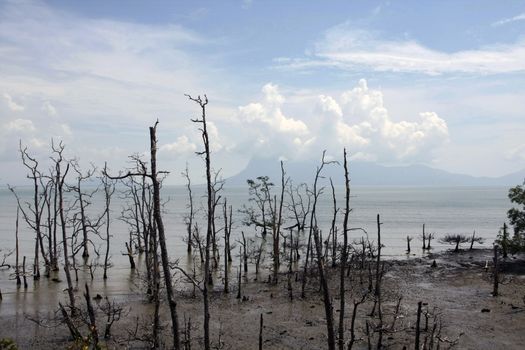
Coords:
pixel 369 128
pixel 181 146
pixel 267 130
pixel 270 113
pixel 357 120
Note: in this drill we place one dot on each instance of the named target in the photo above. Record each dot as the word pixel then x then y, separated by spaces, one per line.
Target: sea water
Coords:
pixel 402 210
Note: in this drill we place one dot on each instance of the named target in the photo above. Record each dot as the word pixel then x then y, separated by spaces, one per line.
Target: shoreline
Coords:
pixel 459 287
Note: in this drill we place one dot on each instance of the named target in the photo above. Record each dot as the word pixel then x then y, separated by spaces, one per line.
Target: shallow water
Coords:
pixel 403 211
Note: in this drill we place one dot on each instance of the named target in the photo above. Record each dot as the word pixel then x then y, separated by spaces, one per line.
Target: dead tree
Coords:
pixel 60 178
pixel 475 239
pixel 430 237
pixel 138 214
pixel 187 333
pixel 227 253
pixel 33 214
pixel 17 265
pixel 24 276
pixel 113 313
pixel 290 263
pixel 73 330
pixel 217 186
pixel 299 206
pixel 352 323
pixel 228 218
pixel 82 200
pixel 378 274
pixel 276 228
pixel 333 228
pixel 162 237
pixel 418 322
pixel 344 250
pixel 49 191
pixel 424 238
pixel 191 214
pixel 326 292
pixel 496 272
pixel 109 189
pixel 92 318
pixel 313 221
pixel 197 241
pixel 239 280
pixel 210 206
pixel 260 332
pixel 3 263
pixel 320 260
pixel 54 220
pixel 154 177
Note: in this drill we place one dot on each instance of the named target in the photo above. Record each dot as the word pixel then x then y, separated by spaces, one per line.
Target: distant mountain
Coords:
pixel 370 174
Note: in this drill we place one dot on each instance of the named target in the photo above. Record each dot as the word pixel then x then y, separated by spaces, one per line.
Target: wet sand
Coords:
pixel 458 290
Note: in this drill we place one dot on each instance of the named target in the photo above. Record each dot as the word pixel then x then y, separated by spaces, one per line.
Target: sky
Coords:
pixel 439 83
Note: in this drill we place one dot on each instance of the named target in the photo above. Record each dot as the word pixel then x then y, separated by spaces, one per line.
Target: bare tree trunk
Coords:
pixel 92 319
pixel 36 267
pixel 377 290
pixel 260 332
pixel 24 272
pixel 210 206
pixel 352 324
pixel 156 286
pixel 424 238
pixel 83 204
pixel 55 220
pixel 312 222
pixel 290 288
pixel 496 272
pixel 229 250
pixel 320 262
pixel 85 251
pixel 162 238
pixel 326 293
pixel 418 321
pixel 344 253
pixel 130 256
pixel 189 224
pixel 75 334
pixel 108 192
pixel 239 283
pixel 47 203
pixel 17 265
pixel 244 256
pixel 333 228
pixel 60 180
pixel 226 286
pixel 277 230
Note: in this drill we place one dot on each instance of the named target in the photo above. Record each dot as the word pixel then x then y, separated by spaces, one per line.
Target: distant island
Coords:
pixel 370 174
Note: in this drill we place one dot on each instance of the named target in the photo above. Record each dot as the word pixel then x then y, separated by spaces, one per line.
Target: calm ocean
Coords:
pixel 403 211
